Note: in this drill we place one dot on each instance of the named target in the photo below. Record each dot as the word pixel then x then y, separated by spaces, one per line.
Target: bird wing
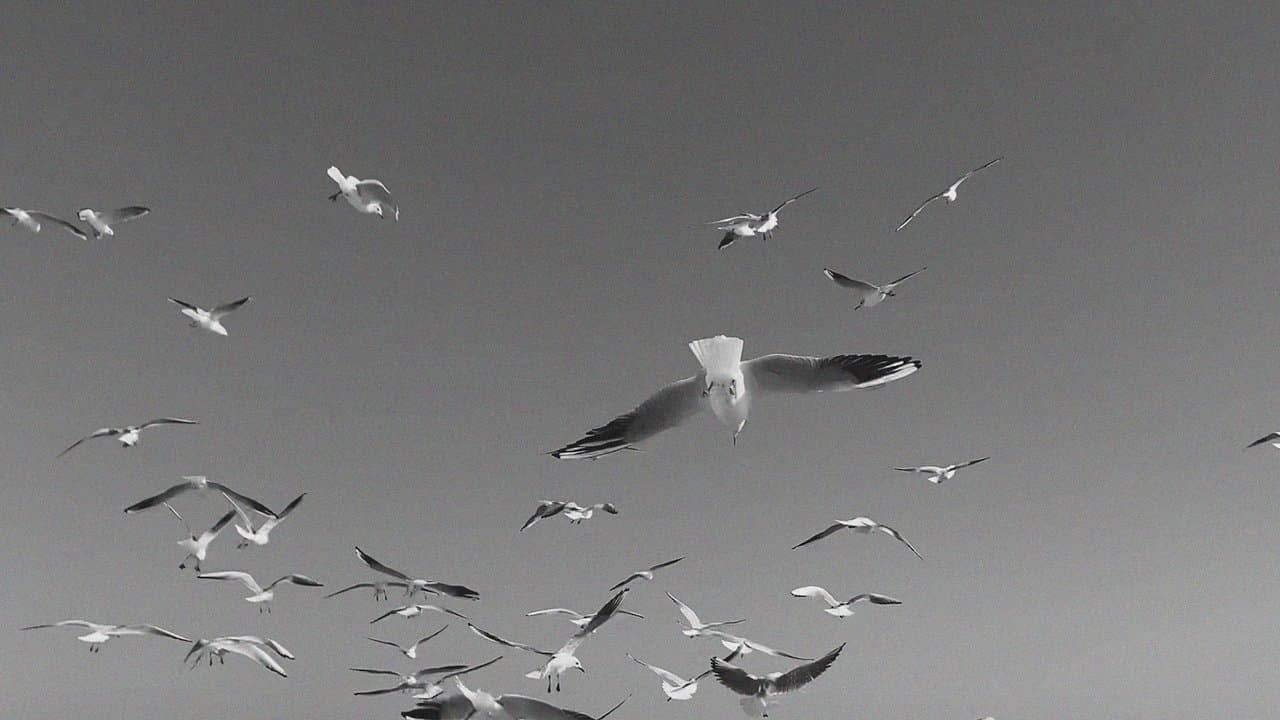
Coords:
pixel 792 199
pixel 211 533
pixel 181 519
pixel 155 500
pixel 1269 437
pixel 45 217
pixel 458 591
pixel 907 276
pixel 184 304
pixel 521 707
pixel 243 499
pixel 68 623
pixel 750 217
pixel 661 411
pixel 689 615
pixel 846 281
pixel 630 577
pixel 221 310
pixel 381 642
pixel 661 565
pixel 969 463
pixel 495 639
pixel 428 637
pixel 389 613
pixel 470 669
pixel 898 536
pixel 167 421
pixel 243 578
pixel 376 671
pixel 437 670
pixel 100 432
pixel 666 675
pixel 276 647
pixel 244 516
pixel 814 591
pixel 373 564
pixel 798 677
pixel 376 190
pixel 737 679
pixel 796 373
pixel 818 536
pixel 603 615
pixel 546 509
pixel 258 655
pixel 147 629
pixel 556 611
pixel 875 599
pixel 124 214
pixel 771 651
pixel 296 579
pixel 916 212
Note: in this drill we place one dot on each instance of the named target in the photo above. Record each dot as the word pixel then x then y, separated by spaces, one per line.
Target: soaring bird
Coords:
pixel 102 220
pixel 468 703
pixel 760 688
pixel 746 646
pixel 741 225
pixel 676 687
pixel 949 193
pixel 128 435
pixel 262 596
pixel 863 525
pixel 696 626
pixel 34 221
pixel 100 633
pixel 368 196
pixel 410 651
pixel 576 617
pixel 244 645
pixel 197 546
pixel 646 574
pixel 262 535
pixel 838 608
pixel 573 511
pixel 414 584
pixel 379 588
pixel 726 386
pixel 1272 438
pixel 210 320
pixel 938 473
pixel 412 611
pixel 425 681
pixel 199 484
pixel 869 295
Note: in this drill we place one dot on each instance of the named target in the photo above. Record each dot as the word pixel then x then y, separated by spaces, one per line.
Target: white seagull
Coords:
pixel 128 435
pixel 34 221
pixel 576 617
pixel 414 584
pixel 199 484
pixel 869 295
pixel 411 651
pixel 863 525
pixel 244 645
pixel 646 574
pixel 262 535
pixel 838 608
pixel 412 611
pixel 726 386
pixel 696 626
pixel 949 193
pixel 379 588
pixel 210 320
pixel 746 646
pixel 100 633
pixel 1272 438
pixel 937 473
pixel 368 196
pixel 197 546
pixel 262 596
pixel 573 511
pixel 102 220
pixel 421 680
pixel 739 226
pixel 760 688
pixel 676 687
pixel 468 703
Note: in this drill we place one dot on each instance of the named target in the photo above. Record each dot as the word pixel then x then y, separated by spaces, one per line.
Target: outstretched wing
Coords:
pixel 690 616
pixel 45 217
pixel 458 591
pixel 495 639
pixel 124 214
pixel 147 629
pixel 242 499
pixel 969 463
pixel 546 509
pixel 604 614
pixel 258 655
pixel 527 708
pixel 184 304
pixel 818 536
pixel 797 678
pixel 367 585
pixel 907 276
pixel 1268 438
pixel 243 578
pixel 662 411
pixel 102 432
pixel 225 308
pixel 796 373
pixel 846 281
pixel 465 670
pixel 916 212
pixel 167 421
pixel 792 199
pixel 737 679
pixel 666 675
pixel 661 565
pixel 155 500
pixel 373 564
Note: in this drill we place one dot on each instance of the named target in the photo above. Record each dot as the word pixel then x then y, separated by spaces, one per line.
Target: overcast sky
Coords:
pixel 1099 315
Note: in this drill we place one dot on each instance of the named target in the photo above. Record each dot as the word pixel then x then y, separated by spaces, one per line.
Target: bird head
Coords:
pixel 85 214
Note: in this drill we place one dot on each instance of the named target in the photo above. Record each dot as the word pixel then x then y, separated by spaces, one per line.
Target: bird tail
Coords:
pixel 719 355
pixel 337 175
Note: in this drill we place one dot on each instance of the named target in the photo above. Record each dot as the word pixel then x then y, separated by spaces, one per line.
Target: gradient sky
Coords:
pixel 1099 315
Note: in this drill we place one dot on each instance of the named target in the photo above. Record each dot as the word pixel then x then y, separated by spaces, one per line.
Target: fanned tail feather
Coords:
pixel 719 355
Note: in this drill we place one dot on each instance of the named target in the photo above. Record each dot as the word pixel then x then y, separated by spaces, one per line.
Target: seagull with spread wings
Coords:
pixel 100 633
pixel 34 221
pixel 412 611
pixel 646 574
pixel 414 584
pixel 739 226
pixel 421 680
pixel 576 617
pixel 696 626
pixel 676 687
pixel 727 386
pixel 838 608
pixel 210 320
pixel 379 588
pixel 869 295
pixel 949 193
pixel 863 525
pixel 248 646
pixel 262 535
pixel 129 434
pixel 936 474
pixel 759 689
pixel 411 651
pixel 573 511
pixel 468 703
pixel 102 220
pixel 197 546
pixel 370 197
pixel 199 484
pixel 262 596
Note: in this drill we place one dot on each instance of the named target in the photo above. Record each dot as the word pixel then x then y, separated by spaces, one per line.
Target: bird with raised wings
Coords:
pixel 869 295
pixel 760 689
pixel 129 434
pixel 198 484
pixel 209 320
pixel 414 584
pixel 249 646
pixel 676 687
pixel 748 224
pixel 409 651
pixel 936 474
pixel 370 197
pixel 426 682
pixel 646 574
pixel 864 525
pixel 197 546
pixel 262 534
pixel 696 625
pixel 576 617
pixel 949 193
pixel 727 386
pixel 261 596
pixel 573 511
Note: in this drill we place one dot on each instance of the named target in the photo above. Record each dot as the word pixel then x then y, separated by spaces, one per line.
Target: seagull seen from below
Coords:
pixel 468 703
pixel 759 689
pixel 129 434
pixel 842 609
pixel 696 626
pixel 741 225
pixel 103 221
pixel 869 295
pixel 34 221
pixel 412 611
pixel 676 687
pixel 746 646
pixel 936 474
pixel 646 574
pixel 863 525
pixel 262 535
pixel 727 386
pixel 949 193
pixel 370 197
pixel 262 596
pixel 197 546
pixel 421 680
pixel 198 484
pixel 414 584
pixel 573 511
pixel 576 617
pixel 100 633
pixel 411 651
pixel 248 646
pixel 209 320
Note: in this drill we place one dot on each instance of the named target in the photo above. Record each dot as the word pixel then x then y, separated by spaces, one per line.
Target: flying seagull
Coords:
pixel 726 387
pixel 128 434
pixel 760 688
pixel 102 221
pixel 244 645
pixel 646 574
pixel 100 633
pixel 869 295
pixel 262 535
pixel 411 651
pixel 210 320
pixel 200 484
pixel 421 680
pixel 740 225
pixel 863 525
pixel 413 611
pixel 842 609
pixel 262 596
pixel 197 546
pixel 949 193
pixel 468 703
pixel 379 588
pixel 1272 438
pixel 572 510
pixel 431 586
pixel 746 646
pixel 676 687
pixel 937 473
pixel 696 626
pixel 576 617
pixel 34 221
pixel 368 196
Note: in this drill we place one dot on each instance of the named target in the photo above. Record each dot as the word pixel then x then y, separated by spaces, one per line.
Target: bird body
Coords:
pixel 197 546
pixel 370 197
pixel 864 525
pixel 209 320
pixel 100 633
pixel 870 295
pixel 262 535
pixel 129 434
pixel 760 689
pixel 949 194
pixel 260 595
pixel 842 609
pixel 102 221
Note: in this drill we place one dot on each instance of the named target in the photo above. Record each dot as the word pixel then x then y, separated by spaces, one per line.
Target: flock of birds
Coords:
pixel 725 385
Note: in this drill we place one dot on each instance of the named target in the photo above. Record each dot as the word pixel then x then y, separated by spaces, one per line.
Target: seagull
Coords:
pixel 936 473
pixel 1273 438
pixel 740 225
pixel 266 642
pixel 468 703
pixel 575 512
pixel 379 588
pixel 198 483
pixel 262 535
pixel 414 584
pixel 576 617
pixel 759 688
pixel 101 222
pixel 842 609
pixel 696 626
pixel 248 646
pixel 421 679
pixel 413 611
pixel 197 546
pixel 727 385
pixel 411 651
pixel 128 435
pixel 863 525
pixel 564 659
pixel 676 687
pixel 367 196
pixel 871 295
pixel 100 633
pixel 33 221
pixel 746 646
pixel 210 320
pixel 261 595
pixel 646 574
pixel 949 193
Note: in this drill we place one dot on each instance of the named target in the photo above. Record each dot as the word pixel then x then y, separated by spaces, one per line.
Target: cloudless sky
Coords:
pixel 1099 315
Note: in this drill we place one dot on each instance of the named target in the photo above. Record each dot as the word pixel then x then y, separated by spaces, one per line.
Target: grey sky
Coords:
pixel 1098 316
